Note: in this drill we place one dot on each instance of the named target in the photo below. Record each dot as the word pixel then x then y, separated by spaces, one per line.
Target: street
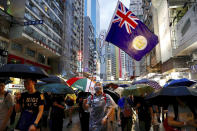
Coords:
pixel 76 125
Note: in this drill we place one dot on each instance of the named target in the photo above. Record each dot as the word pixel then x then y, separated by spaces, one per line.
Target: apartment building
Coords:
pixel 37 44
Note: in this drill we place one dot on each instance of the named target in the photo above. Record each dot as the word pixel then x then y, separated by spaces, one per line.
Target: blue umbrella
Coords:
pixel 180 82
pixel 56 88
pixel 151 83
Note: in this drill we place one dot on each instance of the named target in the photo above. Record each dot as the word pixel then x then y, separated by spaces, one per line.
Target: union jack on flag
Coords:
pixel 125 17
pixel 128 33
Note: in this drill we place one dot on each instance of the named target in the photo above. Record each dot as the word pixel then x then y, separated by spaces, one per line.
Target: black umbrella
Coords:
pixel 53 79
pixel 22 71
pixel 115 96
pixel 166 95
pixel 5 80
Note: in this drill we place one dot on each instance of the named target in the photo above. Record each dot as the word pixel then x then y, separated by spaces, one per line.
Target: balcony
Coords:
pixel 186 33
pixel 30 37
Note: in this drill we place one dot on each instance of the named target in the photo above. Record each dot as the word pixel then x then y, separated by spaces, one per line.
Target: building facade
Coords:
pixel 5 23
pixel 174 22
pixel 74 38
pixel 89 42
pixel 36 44
pixel 92 9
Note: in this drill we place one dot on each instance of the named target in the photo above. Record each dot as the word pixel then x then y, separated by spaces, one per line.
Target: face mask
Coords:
pixel 97 88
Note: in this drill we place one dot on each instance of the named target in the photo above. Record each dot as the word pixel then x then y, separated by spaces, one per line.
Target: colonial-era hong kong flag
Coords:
pixel 131 35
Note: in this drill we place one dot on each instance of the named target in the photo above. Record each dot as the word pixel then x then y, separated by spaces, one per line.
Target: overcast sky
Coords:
pixel 107 8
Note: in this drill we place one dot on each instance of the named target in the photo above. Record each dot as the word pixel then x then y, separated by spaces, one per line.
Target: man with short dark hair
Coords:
pixel 31 105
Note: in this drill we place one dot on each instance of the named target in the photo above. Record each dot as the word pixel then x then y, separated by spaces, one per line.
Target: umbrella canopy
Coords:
pixel 22 71
pixel 119 90
pixel 180 82
pixel 167 95
pixel 5 80
pixel 73 80
pixel 39 84
pixel 151 83
pixel 56 88
pixel 53 79
pixel 83 84
pixel 124 85
pixel 113 94
pixel 137 90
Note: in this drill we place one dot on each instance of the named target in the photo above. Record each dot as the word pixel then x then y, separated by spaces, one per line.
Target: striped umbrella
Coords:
pixel 81 83
pixel 151 83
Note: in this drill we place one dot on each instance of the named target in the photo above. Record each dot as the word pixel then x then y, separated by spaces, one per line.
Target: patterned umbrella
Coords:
pixel 151 83
pixel 82 83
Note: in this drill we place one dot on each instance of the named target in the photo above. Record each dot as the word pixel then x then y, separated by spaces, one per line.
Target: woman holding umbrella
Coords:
pixel 182 115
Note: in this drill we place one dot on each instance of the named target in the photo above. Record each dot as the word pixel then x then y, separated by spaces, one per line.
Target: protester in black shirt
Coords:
pixel 84 115
pixel 47 105
pixel 31 105
pixel 144 110
pixel 57 113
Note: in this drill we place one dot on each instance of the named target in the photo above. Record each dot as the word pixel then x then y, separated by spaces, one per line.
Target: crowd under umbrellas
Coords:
pixel 174 91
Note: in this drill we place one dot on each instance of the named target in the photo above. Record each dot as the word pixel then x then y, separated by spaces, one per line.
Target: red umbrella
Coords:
pixel 73 80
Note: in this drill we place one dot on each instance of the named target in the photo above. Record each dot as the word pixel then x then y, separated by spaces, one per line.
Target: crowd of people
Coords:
pixel 97 112
pixel 36 110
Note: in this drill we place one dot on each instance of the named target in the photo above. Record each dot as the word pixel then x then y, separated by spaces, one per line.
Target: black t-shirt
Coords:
pixel 144 111
pixel 57 112
pixel 31 102
pixel 47 102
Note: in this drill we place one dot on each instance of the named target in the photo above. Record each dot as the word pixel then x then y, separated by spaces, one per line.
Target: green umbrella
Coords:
pixel 137 90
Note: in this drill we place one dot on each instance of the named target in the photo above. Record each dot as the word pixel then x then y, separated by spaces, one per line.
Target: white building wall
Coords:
pixel 164 31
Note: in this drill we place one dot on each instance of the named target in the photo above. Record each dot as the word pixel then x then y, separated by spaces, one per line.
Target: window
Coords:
pixel 41 58
pixel 17 47
pixel 30 52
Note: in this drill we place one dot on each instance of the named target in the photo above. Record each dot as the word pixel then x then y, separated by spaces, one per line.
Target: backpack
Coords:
pixel 104 95
pixel 127 112
pixel 175 107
